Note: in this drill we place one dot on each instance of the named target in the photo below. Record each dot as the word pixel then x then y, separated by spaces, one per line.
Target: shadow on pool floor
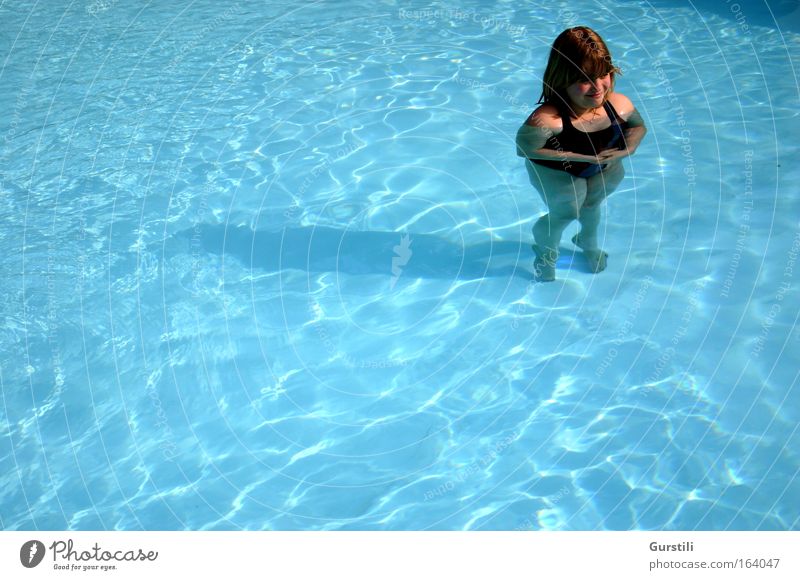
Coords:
pixel 325 249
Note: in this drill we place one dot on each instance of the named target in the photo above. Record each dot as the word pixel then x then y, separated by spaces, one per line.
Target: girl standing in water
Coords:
pixel 573 145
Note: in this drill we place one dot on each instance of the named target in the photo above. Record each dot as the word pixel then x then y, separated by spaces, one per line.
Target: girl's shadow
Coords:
pixel 325 249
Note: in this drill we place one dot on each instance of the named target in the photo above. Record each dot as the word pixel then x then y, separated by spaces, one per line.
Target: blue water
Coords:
pixel 269 268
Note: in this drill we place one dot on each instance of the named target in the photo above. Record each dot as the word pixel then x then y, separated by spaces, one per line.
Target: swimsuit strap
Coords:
pixel 612 113
pixel 566 123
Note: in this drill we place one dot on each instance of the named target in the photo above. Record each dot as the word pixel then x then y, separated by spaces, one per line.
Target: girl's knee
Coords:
pixel 593 201
pixel 566 211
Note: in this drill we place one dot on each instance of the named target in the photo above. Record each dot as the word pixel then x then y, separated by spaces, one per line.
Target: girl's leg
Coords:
pixel 564 196
pixel 598 188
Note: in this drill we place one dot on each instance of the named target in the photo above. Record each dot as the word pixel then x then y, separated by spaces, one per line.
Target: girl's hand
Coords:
pixel 613 155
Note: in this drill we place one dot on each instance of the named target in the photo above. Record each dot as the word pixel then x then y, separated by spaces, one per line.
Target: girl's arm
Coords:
pixel 533 135
pixel 635 131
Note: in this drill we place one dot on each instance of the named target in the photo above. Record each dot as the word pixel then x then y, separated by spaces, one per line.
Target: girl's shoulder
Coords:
pixel 547 116
pixel 622 104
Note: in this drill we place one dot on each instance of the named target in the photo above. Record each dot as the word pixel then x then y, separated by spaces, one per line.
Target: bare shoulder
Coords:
pixel 621 103
pixel 542 124
pixel 626 110
pixel 546 118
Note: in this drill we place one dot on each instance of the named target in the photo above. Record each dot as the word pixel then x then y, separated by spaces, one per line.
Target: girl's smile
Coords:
pixel 589 94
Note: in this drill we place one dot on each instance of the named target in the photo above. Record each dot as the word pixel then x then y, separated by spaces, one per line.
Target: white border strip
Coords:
pixel 404 555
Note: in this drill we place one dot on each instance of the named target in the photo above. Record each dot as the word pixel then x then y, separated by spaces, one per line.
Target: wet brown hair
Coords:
pixel 577 54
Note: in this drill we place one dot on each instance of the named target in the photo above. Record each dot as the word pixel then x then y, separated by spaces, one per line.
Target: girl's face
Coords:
pixel 588 94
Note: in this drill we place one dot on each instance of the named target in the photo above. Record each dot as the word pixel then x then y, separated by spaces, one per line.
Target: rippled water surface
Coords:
pixel 269 267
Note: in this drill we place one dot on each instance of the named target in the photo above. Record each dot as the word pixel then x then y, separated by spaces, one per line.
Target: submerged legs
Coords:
pixel 569 198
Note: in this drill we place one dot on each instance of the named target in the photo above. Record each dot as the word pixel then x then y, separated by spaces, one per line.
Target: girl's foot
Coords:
pixel 595 256
pixel 544 266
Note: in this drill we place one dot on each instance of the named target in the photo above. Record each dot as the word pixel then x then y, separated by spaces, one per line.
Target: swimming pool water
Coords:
pixel 269 267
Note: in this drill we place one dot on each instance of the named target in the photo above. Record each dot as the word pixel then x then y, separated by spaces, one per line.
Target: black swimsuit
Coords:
pixel 575 141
